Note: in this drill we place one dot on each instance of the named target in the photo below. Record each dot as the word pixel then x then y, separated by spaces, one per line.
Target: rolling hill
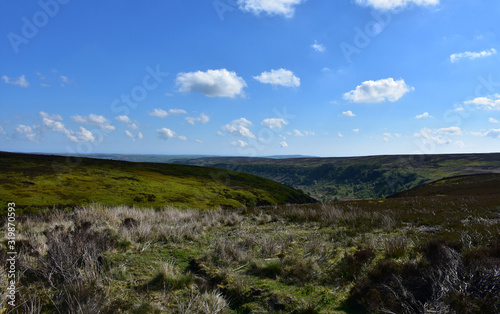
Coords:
pixel 482 185
pixel 43 180
pixel 343 178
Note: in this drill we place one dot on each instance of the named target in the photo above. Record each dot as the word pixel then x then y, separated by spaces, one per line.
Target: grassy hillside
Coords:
pixel 473 185
pixel 401 255
pixel 367 177
pixel 44 180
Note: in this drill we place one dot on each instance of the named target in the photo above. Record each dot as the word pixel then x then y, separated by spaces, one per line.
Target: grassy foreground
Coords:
pixel 34 181
pixel 413 255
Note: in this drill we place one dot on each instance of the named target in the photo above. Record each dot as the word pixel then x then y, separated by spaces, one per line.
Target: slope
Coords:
pixel 45 180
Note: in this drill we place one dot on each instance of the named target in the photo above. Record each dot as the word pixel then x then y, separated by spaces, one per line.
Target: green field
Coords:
pixel 43 180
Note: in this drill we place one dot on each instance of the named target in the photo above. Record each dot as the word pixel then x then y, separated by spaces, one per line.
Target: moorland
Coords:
pixel 433 248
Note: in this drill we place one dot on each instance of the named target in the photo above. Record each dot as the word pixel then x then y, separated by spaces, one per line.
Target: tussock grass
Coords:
pixel 317 258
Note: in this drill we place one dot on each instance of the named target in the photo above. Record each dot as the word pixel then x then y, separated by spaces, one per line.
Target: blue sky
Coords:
pixel 250 77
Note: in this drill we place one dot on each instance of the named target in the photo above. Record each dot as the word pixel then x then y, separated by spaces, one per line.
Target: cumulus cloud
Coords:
pixel 33 133
pixel 285 8
pixel 493 120
pixel 423 116
pixel 348 113
pixel 395 4
pixel 355 131
pixel 203 118
pixel 340 134
pixel 83 136
pixel 387 136
pixel 489 103
pixel 239 143
pixel 378 91
pixel 279 77
pixel 126 120
pixel 274 123
pixel 239 127
pixel 177 111
pixel 284 144
pixel 318 47
pixel 182 138
pixel 93 119
pixel 123 119
pixel 53 123
pixel 301 133
pixel 140 136
pixel 212 83
pixel 165 133
pixel 472 55
pixel 159 113
pixel 20 81
pixel 439 136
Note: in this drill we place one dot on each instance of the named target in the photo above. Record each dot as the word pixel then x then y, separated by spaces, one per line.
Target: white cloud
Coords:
pixel 301 133
pixel 491 102
pixel 472 55
pixel 340 134
pixel 93 119
pixel 395 4
pixel 84 136
pixel 126 120
pixel 198 141
pixel 274 123
pixel 212 83
pixel 159 113
pixel 65 80
pixel 177 111
pixel 348 113
pixel 239 127
pixel 239 143
pixel 53 123
pixel 318 47
pixel 355 131
pixel 165 133
pixel 20 81
pixel 423 116
pixel 285 8
pixel 182 138
pixel 284 144
pixel 33 134
pixel 129 134
pixel 140 136
pixel 454 130
pixel 2 131
pixel 279 77
pixel 493 120
pixel 203 118
pixel 438 136
pixel 387 136
pixel 495 133
pixel 123 119
pixel 378 91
